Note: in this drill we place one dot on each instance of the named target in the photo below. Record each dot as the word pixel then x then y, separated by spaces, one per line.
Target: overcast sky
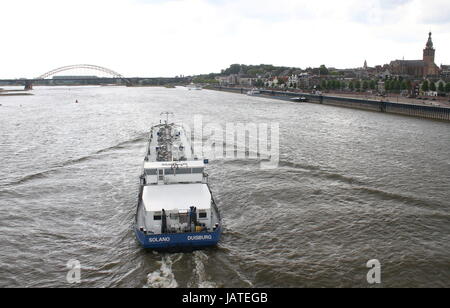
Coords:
pixel 173 37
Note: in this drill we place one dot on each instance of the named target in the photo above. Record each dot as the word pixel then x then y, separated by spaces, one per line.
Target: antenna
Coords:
pixel 167 115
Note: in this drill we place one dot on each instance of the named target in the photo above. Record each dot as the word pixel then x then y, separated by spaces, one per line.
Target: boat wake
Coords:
pixel 164 277
pixel 200 278
pixel 96 155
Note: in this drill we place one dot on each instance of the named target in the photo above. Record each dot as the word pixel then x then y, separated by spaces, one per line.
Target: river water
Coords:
pixel 351 186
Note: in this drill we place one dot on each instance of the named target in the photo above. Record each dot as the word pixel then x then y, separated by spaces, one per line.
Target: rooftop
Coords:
pixel 176 197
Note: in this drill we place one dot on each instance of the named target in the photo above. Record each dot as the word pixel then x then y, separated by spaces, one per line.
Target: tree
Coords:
pixel 205 80
pixel 323 70
pixel 324 84
pixel 447 87
pixel 332 84
pixel 233 69
pixel 358 85
pixel 351 86
pixel 403 85
pixel 425 86
pixel 408 85
pixel 373 85
pixel 432 86
pixel 396 85
pixel 259 83
pixel 441 87
pixel 365 85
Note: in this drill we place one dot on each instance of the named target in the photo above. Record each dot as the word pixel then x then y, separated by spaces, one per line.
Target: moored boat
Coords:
pixel 299 99
pixel 253 91
pixel 194 87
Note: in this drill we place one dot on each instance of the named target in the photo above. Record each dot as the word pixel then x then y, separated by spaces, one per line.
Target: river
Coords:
pixel 351 186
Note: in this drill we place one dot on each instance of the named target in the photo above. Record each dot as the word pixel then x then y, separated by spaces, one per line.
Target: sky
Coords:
pixel 163 38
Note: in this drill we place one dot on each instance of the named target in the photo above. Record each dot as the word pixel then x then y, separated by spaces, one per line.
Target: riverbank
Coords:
pixel 423 101
pixel 365 103
pixel 15 94
pixel 4 92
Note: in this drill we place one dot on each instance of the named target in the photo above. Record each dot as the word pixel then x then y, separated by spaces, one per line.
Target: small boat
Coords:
pixel 194 87
pixel 176 209
pixel 299 99
pixel 253 91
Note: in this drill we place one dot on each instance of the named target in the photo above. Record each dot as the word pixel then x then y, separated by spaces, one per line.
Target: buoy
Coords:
pixel 76 102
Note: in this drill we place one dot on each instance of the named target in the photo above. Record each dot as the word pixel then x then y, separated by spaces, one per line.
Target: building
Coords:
pixel 293 81
pixel 247 81
pixel 445 71
pixel 418 68
pixel 223 80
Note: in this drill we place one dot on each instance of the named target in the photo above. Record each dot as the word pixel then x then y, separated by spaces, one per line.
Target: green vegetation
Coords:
pixel 408 85
pixel 425 86
pixel 441 87
pixel 365 85
pixel 204 80
pixel 266 70
pixel 447 87
pixel 259 83
pixel 323 70
pixel 432 86
pixel 259 70
pixel 333 84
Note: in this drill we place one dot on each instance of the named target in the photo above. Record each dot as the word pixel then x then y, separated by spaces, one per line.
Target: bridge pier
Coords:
pixel 28 86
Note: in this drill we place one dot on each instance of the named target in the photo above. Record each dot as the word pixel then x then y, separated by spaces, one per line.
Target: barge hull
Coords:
pixel 178 240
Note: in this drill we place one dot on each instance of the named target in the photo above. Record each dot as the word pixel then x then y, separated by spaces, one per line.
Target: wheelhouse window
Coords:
pixel 202 215
pixel 168 172
pixel 183 171
pixel 178 171
pixel 150 171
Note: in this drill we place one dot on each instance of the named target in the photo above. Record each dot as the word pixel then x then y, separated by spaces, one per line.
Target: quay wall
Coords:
pixel 422 111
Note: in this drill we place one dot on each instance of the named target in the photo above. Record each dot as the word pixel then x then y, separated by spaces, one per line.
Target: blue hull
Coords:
pixel 177 241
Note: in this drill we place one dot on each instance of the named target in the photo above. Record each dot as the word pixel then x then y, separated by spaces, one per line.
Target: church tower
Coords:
pixel 429 52
pixel 431 69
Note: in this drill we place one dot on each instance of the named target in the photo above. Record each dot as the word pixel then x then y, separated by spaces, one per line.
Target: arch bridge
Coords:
pixel 113 77
pixel 97 68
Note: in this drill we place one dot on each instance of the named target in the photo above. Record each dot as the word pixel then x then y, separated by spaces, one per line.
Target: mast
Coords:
pixel 167 114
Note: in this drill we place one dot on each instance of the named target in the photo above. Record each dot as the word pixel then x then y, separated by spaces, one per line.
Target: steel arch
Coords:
pixel 81 66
